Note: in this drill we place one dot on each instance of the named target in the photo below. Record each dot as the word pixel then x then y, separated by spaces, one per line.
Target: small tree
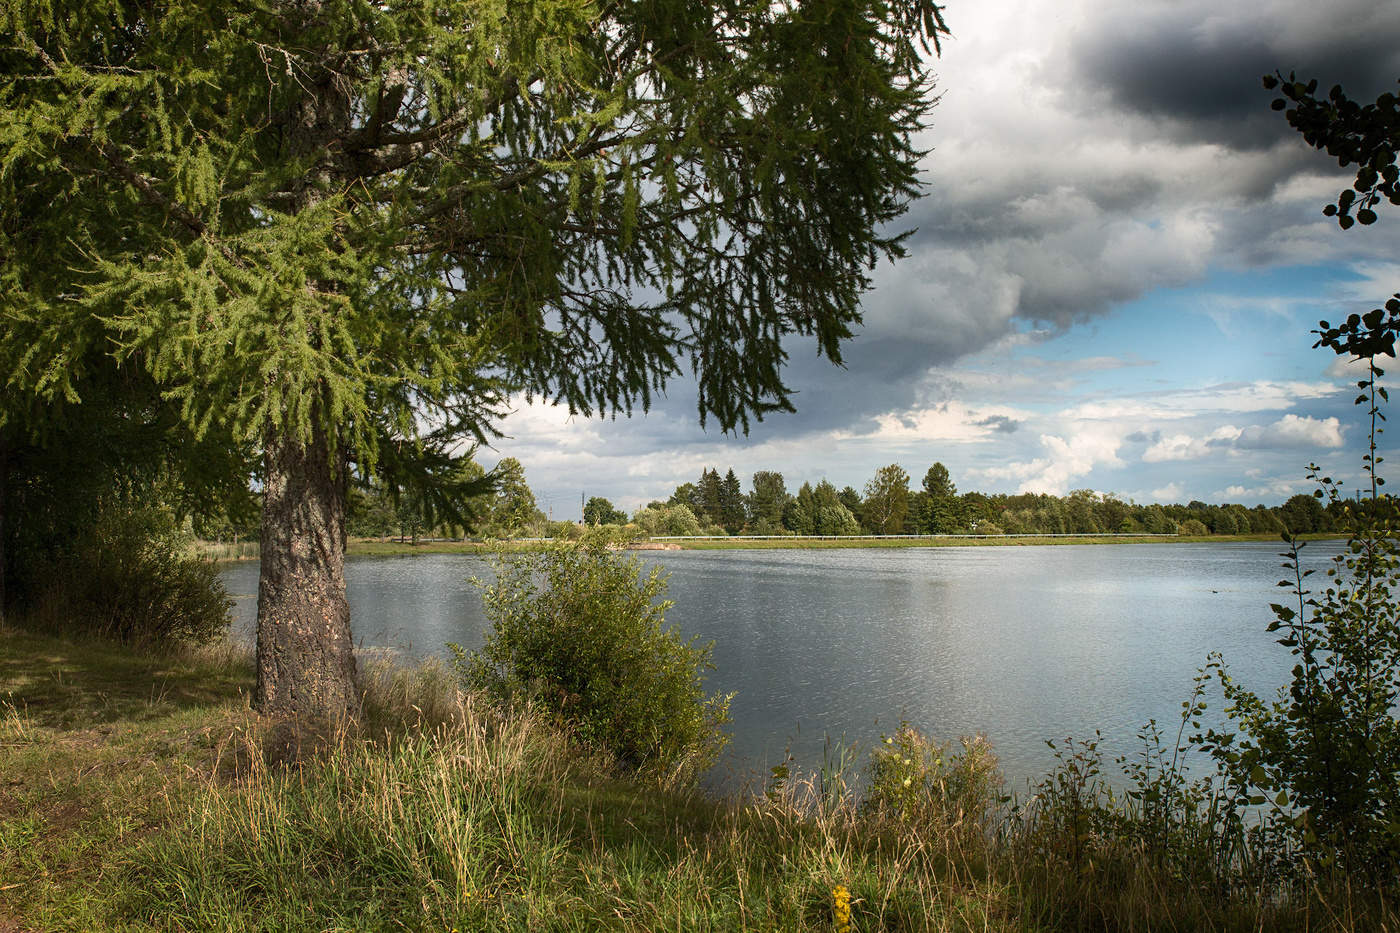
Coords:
pixel 944 508
pixel 732 512
pixel 886 500
pixel 1329 746
pixel 513 505
pixel 578 630
pixel 599 511
pixel 768 499
pixel 1326 753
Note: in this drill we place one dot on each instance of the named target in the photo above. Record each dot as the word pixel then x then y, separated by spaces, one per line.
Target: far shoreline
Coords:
pixel 375 547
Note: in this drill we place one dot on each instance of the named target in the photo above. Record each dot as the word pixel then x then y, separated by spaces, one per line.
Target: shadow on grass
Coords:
pixel 66 682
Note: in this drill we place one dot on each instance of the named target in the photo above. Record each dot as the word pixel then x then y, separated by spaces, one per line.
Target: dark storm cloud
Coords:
pixel 1061 227
pixel 999 423
pixel 1072 168
pixel 1197 66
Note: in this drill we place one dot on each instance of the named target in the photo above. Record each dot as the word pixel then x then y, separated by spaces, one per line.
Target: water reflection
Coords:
pixel 1022 643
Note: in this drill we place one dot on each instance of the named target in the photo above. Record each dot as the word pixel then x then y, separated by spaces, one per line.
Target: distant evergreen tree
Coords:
pixel 732 513
pixel 944 509
pixel 767 501
pixel 709 496
pixel 686 494
pixel 800 514
pixel 513 505
pixel 830 516
pixel 851 500
pixel 917 519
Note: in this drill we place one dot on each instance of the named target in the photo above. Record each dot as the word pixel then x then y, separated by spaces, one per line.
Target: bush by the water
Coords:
pixel 133 579
pixel 915 779
pixel 579 632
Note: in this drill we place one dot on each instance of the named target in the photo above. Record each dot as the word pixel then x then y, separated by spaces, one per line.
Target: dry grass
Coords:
pixel 141 793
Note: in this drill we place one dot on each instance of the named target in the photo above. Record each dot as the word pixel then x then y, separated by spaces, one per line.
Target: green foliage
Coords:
pixel 370 513
pixel 1304 514
pixel 577 630
pixel 513 504
pixel 394 222
pixel 733 515
pixel 563 531
pixel 886 500
pixel 599 511
pixel 130 577
pixel 686 494
pixel 709 497
pixel 942 512
pixel 798 514
pixel 1192 528
pixel 938 483
pixel 819 511
pixel 1324 757
pixel 1364 135
pixel 768 499
pixel 667 520
pixel 916 780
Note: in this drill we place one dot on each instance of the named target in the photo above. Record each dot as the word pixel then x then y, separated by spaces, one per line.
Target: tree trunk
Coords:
pixel 4 492
pixel 306 664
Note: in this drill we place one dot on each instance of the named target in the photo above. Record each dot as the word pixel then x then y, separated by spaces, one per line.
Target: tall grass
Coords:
pixel 433 810
pixel 245 549
pixel 440 812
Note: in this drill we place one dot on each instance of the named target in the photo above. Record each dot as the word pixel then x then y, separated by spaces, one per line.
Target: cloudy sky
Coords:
pixel 1119 255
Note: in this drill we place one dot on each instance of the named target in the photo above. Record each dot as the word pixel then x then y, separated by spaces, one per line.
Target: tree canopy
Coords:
pixel 350 233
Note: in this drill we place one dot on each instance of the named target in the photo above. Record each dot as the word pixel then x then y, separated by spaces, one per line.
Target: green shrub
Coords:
pixel 1192 528
pixel 132 579
pixel 580 633
pixel 667 520
pixel 1324 756
pixel 569 531
pixel 917 780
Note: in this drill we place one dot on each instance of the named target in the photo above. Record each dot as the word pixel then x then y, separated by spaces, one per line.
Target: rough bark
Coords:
pixel 306 664
pixel 4 492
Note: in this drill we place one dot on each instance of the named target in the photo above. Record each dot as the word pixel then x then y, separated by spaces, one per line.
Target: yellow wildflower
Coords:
pixel 841 908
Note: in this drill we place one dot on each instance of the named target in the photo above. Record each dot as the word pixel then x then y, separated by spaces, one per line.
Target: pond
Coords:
pixel 1023 644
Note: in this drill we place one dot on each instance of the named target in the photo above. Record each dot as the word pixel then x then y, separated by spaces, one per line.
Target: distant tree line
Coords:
pixel 507 510
pixel 717 504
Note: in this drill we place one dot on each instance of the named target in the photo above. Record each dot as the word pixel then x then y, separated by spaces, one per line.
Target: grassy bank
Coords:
pixel 141 793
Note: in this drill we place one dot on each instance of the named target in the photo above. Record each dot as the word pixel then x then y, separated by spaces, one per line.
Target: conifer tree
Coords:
pixel 349 233
pixel 709 497
pixel 768 499
pixel 732 514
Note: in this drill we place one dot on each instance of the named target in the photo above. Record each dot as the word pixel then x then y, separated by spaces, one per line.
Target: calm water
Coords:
pixel 1023 644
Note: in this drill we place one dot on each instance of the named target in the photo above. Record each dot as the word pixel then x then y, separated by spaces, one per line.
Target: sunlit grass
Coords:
pixel 141 793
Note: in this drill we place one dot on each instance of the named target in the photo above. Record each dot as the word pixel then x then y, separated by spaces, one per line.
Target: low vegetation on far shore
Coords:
pixel 392 547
